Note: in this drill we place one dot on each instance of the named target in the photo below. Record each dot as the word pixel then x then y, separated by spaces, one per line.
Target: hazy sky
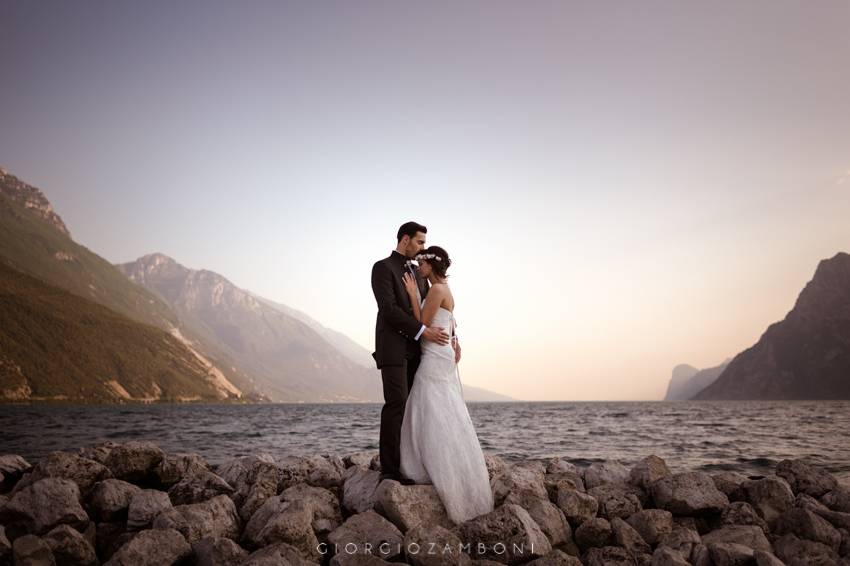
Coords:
pixel 622 186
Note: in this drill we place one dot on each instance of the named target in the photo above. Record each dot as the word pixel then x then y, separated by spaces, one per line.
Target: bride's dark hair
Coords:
pixel 438 265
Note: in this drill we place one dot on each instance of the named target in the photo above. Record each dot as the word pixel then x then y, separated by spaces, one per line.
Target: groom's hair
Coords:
pixel 410 229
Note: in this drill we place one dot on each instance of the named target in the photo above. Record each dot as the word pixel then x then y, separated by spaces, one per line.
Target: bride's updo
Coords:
pixel 437 258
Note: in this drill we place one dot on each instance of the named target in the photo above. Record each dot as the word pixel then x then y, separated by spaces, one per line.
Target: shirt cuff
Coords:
pixel 418 334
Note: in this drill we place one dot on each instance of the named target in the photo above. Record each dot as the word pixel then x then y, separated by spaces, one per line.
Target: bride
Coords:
pixel 438 440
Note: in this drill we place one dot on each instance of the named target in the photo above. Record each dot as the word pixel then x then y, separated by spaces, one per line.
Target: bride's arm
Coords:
pixel 433 300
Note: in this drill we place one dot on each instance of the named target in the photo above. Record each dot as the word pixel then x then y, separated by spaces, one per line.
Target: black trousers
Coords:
pixel 397 383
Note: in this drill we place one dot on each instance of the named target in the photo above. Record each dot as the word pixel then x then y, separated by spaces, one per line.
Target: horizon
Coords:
pixel 621 190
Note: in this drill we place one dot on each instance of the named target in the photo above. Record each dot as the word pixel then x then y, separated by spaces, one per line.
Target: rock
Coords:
pixel 615 500
pixel 174 467
pixel 408 505
pixel 652 524
pixel 29 550
pixel 600 473
pixel 44 504
pixel 367 533
pixel 730 484
pixel 524 480
pixel 144 508
pixel 361 459
pixel 280 554
pixel 750 536
pixel 433 545
pixel 770 497
pixel 766 559
pixel 495 465
pixel 110 537
pixel 12 468
pixel 317 471
pixel 217 551
pixel 700 556
pixel 803 476
pixel 559 465
pixel 554 558
pixel 253 480
pixel 626 536
pixel 152 547
pixel 358 489
pixel 85 473
pixel 323 505
pixel 594 532
pixel 795 551
pixel 807 525
pixel 607 556
pixel 283 521
pixel 578 507
pixel 681 539
pixel 838 499
pixel 648 470
pixel 742 513
pixel 238 471
pixel 688 493
pixel 730 554
pixel 562 480
pixel 98 452
pixel 216 517
pixel 550 519
pixel 666 556
pixel 197 487
pixel 5 547
pixel 376 463
pixel 111 498
pixel 135 462
pixel 507 534
pixel 70 547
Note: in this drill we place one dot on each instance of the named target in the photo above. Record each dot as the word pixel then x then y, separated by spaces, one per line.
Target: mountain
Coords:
pixel 55 345
pixel 34 240
pixel 688 380
pixel 804 356
pixel 290 360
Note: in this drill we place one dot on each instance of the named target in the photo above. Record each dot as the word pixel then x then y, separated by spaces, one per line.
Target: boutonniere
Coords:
pixel 411 263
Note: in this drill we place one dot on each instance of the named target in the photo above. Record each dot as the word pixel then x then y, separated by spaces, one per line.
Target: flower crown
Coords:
pixel 429 256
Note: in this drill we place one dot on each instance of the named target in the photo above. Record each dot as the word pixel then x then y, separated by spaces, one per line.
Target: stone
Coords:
pixel 805 524
pixel 559 465
pixel 5 547
pixel 68 546
pixel 135 461
pixel 197 487
pixel 85 473
pixel 666 556
pixel 554 558
pixel 730 554
pixel 111 498
pixel 29 550
pixel 98 452
pixel 283 521
pixel 495 465
pixel 174 467
pixel 12 468
pixel 525 479
pixel 795 551
pixel 615 500
pixel 433 545
pixel 688 493
pixel 729 482
pixel 648 470
pixel 607 556
pixel 42 505
pixel 507 534
pixel 838 499
pixel 766 559
pixel 578 507
pixel 594 532
pixel 215 517
pixel 550 519
pixel 280 554
pixel 626 536
pixel 681 539
pixel 144 507
pixel 254 479
pixel 361 459
pixel 652 524
pixel 600 473
pixel 562 480
pixel 317 471
pixel 742 513
pixel 770 497
pixel 153 547
pixel 218 551
pixel 358 489
pixel 408 505
pixel 804 476
pixel 323 504
pixel 367 533
pixel 750 536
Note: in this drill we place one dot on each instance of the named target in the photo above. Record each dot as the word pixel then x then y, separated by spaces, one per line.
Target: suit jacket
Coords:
pixel 395 326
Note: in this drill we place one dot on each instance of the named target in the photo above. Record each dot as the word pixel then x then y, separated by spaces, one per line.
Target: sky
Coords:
pixel 622 187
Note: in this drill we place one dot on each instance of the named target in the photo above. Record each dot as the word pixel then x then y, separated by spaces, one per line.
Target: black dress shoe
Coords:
pixel 383 477
pixel 406 481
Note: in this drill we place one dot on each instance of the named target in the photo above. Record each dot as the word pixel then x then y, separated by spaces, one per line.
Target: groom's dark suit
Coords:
pixel 397 351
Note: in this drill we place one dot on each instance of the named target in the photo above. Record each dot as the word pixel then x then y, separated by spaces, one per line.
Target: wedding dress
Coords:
pixel 438 440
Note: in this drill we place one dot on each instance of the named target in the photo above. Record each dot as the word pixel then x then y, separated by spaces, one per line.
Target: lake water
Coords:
pixel 747 436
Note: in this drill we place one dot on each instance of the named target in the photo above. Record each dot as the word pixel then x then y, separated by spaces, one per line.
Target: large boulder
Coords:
pixel 358 489
pixel 200 485
pixel 433 545
pixel 681 539
pixel 804 476
pixel 688 493
pixel 770 497
pixel 42 505
pixel 523 480
pixel 577 506
pixel 111 498
pixel 652 524
pixel 795 551
pixel 408 505
pixel 318 471
pixel 750 536
pixel 507 534
pixel 323 504
pixel 806 524
pixel 278 554
pixel 174 467
pixel 70 547
pixel 153 547
pixel 729 482
pixel 30 550
pixel 495 465
pixel 607 556
pixel 626 536
pixel 254 479
pixel 361 459
pixel 616 500
pixel 5 547
pixel 595 532
pixel 367 533
pixel 12 467
pixel 550 519
pixel 730 553
pixel 838 499
pixel 84 472
pixel 218 551
pixel 600 473
pixel 216 517
pixel 647 471
pixel 742 513
pixel 283 521
pixel 144 507
pixel 98 452
pixel 135 462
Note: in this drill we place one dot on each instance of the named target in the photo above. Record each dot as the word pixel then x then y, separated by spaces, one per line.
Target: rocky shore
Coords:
pixel 133 504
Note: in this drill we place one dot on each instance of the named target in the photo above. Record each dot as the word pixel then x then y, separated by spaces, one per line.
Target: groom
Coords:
pixel 397 338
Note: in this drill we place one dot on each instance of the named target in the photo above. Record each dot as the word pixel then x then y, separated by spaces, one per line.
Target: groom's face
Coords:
pixel 415 244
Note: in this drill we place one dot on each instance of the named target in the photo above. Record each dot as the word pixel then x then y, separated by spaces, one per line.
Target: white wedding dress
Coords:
pixel 438 440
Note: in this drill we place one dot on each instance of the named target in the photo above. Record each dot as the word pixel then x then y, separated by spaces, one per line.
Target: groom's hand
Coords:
pixel 436 334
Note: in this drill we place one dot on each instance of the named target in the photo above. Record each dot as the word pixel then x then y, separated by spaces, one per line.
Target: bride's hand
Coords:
pixel 409 284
